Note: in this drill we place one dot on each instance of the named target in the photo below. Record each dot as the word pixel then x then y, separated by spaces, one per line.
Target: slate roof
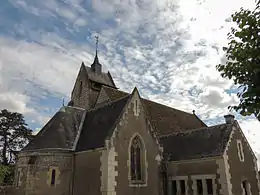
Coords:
pixel 60 131
pixel 194 144
pixel 103 78
pixel 164 119
pixel 99 124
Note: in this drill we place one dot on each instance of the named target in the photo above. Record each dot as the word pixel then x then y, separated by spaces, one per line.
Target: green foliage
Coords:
pixel 6 174
pixel 14 135
pixel 243 60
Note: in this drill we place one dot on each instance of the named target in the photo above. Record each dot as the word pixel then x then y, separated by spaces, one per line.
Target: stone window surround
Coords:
pixel 177 179
pixel 240 150
pixel 49 176
pixel 204 184
pixel 144 165
pixel 18 177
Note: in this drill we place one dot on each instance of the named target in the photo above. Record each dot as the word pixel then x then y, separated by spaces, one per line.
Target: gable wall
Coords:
pixel 102 97
pixel 35 179
pixel 81 99
pixel 131 123
pixel 238 170
pixel 87 176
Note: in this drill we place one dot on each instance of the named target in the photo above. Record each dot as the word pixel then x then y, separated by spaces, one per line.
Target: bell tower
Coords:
pixel 88 84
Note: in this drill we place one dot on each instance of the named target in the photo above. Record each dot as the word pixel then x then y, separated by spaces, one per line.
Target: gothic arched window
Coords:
pixel 137 160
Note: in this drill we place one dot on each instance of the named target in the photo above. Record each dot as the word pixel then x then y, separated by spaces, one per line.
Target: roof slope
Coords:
pixel 60 131
pixel 164 119
pixel 103 78
pixel 206 142
pixel 98 124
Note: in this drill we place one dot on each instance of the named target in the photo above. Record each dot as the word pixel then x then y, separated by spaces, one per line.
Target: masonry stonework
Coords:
pixel 87 174
pixel 133 122
pixel 245 170
pixel 35 178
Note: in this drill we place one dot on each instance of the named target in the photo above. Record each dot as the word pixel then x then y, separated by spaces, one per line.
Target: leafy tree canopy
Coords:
pixel 14 135
pixel 243 60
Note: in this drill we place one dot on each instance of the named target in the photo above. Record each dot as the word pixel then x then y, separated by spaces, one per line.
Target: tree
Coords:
pixel 14 135
pixel 243 60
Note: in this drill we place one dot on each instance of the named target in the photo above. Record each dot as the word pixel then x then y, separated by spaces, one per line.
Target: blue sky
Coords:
pixel 168 49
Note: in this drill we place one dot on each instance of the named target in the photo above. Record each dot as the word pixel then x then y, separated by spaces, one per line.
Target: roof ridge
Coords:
pixel 105 86
pixel 107 104
pixel 192 130
pixel 155 102
pixel 167 106
pixel 75 107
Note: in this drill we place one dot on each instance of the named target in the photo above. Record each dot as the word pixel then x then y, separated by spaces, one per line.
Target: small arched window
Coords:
pixel 137 160
pixel 53 177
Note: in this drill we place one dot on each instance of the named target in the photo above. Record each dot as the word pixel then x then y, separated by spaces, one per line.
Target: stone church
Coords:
pixel 109 142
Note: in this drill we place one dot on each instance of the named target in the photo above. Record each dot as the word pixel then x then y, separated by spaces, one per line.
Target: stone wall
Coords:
pixel 80 93
pixel 241 170
pixel 87 176
pixel 35 179
pixel 133 123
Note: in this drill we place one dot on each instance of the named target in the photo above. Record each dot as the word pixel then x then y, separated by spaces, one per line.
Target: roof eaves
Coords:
pixel 109 75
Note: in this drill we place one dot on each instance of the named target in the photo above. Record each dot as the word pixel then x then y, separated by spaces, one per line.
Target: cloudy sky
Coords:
pixel 167 48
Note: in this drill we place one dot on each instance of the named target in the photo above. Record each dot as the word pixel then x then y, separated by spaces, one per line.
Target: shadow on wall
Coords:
pixel 7 190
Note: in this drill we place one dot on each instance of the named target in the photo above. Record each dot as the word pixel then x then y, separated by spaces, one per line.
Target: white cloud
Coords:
pixel 15 102
pixel 165 48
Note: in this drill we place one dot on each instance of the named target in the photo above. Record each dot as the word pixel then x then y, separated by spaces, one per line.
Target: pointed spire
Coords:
pixel 96 66
pixel 96 61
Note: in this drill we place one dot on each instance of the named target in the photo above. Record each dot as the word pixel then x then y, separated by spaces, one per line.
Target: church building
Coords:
pixel 109 142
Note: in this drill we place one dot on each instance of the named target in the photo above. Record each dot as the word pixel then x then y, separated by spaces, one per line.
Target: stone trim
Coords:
pixel 19 174
pixel 244 137
pixel 57 176
pixel 45 153
pixel 108 171
pixel 199 160
pixel 229 140
pixel 145 162
pixel 136 101
pixel 257 175
pixel 240 151
pixel 222 180
pixel 93 150
pixel 204 184
pixel 228 174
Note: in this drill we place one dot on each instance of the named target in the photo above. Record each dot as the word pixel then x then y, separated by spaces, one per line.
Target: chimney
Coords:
pixel 229 119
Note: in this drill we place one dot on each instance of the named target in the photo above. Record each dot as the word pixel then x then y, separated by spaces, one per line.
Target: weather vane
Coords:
pixel 96 42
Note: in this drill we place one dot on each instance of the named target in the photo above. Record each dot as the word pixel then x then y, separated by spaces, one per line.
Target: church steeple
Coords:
pixel 96 66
